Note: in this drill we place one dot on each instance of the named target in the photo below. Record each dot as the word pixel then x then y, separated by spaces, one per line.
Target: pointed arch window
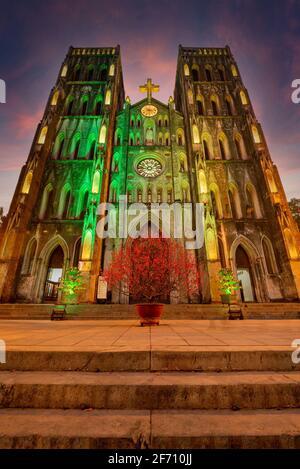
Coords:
pixel 269 256
pixel 65 204
pixel 92 150
pixel 76 75
pixel 200 107
pixel 255 134
pixel 64 71
pixel 214 107
pixel 103 74
pixel 221 253
pixel 102 137
pixel 87 246
pixel 76 150
pixel 69 110
pixel 55 98
pixel 111 70
pixel 42 136
pixel 27 183
pixel 98 108
pixel 214 204
pixel 96 182
pixel 186 70
pixel 206 150
pixel 271 181
pixel 243 97
pixel 253 206
pixel 229 106
pixel 195 74
pixel 222 149
pixel 84 203
pixel 196 136
pixel 90 74
pixel 208 74
pixel 60 149
pixel 202 182
pixel 221 74
pixel 233 201
pixel 76 256
pixel 84 107
pixel 234 71
pixel 238 148
pixel 108 97
pixel 47 203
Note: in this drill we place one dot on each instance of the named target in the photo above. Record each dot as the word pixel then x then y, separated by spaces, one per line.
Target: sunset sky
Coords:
pixel 264 37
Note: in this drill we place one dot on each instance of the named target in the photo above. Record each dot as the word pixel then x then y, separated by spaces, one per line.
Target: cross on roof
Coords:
pixel 149 88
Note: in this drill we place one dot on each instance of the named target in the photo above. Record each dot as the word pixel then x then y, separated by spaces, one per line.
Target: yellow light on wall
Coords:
pixel 43 135
pixel 107 97
pixel 186 70
pixel 234 71
pixel 87 246
pixel 96 183
pixel 196 136
pixel 255 134
pixel 211 245
pixel 55 98
pixel 112 70
pixel 27 183
pixel 243 97
pixel 64 71
pixel 102 136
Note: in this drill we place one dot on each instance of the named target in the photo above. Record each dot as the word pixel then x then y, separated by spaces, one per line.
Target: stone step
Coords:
pixel 176 311
pixel 142 390
pixel 201 358
pixel 31 428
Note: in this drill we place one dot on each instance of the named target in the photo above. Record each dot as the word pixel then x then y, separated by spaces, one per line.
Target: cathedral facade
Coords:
pixel 204 146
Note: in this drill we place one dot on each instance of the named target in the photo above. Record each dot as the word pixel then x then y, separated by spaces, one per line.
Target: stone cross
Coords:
pixel 149 88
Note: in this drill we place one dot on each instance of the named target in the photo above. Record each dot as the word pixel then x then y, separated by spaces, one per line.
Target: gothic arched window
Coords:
pixel 76 150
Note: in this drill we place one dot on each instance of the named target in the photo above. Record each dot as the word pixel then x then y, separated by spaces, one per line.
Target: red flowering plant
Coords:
pixel 152 268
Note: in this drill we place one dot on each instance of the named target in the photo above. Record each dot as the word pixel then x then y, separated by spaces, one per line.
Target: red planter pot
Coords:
pixel 149 313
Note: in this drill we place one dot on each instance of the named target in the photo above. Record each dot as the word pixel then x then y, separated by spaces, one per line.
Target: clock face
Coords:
pixel 149 110
pixel 149 168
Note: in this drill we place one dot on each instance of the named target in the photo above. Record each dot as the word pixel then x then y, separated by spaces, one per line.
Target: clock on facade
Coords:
pixel 149 168
pixel 149 110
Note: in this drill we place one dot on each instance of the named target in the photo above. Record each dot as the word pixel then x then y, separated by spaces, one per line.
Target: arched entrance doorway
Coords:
pixel 244 274
pixel 54 274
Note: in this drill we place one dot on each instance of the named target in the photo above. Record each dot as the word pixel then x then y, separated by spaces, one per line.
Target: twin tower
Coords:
pixel 204 146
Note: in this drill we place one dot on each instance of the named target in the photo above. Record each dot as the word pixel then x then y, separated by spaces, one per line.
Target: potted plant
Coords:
pixel 149 270
pixel 70 285
pixel 228 286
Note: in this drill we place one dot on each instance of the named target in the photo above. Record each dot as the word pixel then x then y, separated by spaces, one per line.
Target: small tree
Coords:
pixel 71 284
pixel 227 282
pixel 151 268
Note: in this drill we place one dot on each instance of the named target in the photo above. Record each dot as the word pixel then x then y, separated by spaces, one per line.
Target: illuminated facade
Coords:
pixel 93 145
